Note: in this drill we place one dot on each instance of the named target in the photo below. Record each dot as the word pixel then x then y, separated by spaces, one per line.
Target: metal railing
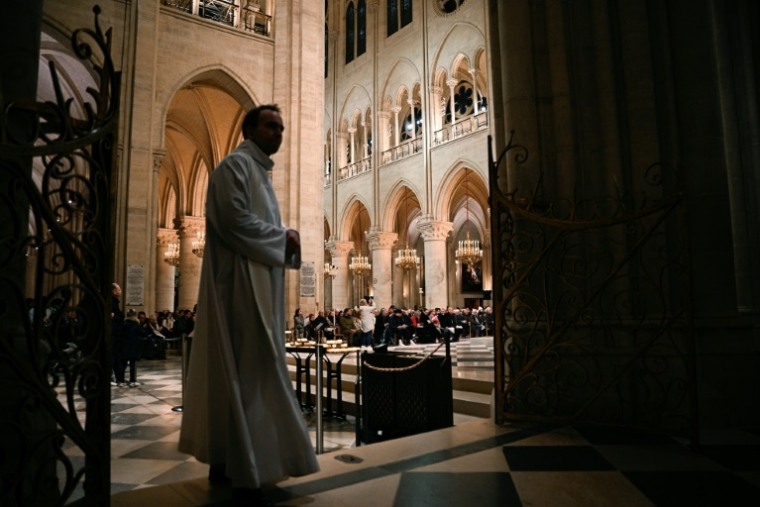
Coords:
pixel 402 151
pixel 362 166
pixel 250 17
pixel 461 128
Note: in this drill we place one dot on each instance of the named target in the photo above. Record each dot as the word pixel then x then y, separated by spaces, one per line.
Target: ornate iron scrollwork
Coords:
pixel 593 304
pixel 58 347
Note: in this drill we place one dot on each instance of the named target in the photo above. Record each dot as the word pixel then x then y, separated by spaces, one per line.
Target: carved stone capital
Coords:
pixel 352 130
pixel 485 241
pixel 339 248
pixel 434 230
pixel 435 90
pixel 381 240
pixel 158 159
pixel 166 236
pixel 452 82
pixel 189 226
pixel 396 109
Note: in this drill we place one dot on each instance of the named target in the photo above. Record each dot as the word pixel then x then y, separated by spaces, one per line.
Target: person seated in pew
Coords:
pixel 348 328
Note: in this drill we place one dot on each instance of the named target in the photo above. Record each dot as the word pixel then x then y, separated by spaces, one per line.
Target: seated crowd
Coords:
pixel 366 326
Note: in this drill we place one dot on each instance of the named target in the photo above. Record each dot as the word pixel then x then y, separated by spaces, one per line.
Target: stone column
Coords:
pixel 436 92
pixel 364 151
pixel 352 145
pixel 382 262
pixel 434 233
pixel 474 74
pixel 414 119
pixel 342 162
pixel 452 84
pixel 164 299
pixel 189 263
pixel 397 137
pixel 384 123
pixel 486 273
pixel 339 252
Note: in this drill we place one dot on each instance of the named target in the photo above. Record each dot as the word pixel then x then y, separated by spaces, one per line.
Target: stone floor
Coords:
pixel 474 463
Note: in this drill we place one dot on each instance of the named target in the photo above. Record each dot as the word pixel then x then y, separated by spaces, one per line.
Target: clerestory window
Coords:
pixel 399 15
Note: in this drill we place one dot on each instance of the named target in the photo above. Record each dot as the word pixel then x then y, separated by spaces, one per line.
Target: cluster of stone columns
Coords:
pixel 186 232
pixel 387 279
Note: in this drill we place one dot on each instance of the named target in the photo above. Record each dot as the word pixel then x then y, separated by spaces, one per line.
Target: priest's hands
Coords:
pixel 292 244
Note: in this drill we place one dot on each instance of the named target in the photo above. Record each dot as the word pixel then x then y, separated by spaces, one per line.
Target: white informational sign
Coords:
pixel 308 280
pixel 135 286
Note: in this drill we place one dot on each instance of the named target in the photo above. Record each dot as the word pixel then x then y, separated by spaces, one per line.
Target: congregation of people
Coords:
pixel 368 327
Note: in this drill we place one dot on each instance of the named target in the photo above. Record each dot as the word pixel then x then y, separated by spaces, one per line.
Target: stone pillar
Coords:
pixel 164 299
pixel 339 252
pixel 434 233
pixel 384 123
pixel 414 119
pixel 382 262
pixel 397 137
pixel 342 143
pixel 352 145
pixel 398 281
pixel 436 112
pixel 364 150
pixel 474 74
pixel 189 263
pixel 487 275
pixel 452 84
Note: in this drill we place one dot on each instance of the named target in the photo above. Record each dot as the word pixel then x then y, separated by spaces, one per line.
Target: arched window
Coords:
pixel 361 43
pixel 350 32
pixel 392 17
pixel 398 17
pixel 410 125
pixel 406 12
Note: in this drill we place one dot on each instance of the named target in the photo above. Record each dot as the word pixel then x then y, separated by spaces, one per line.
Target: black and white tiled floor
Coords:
pixel 474 463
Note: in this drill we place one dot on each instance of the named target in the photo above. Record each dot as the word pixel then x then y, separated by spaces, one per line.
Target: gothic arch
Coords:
pixel 449 195
pixel 350 213
pixel 216 76
pixel 394 199
pixel 396 77
pixel 452 45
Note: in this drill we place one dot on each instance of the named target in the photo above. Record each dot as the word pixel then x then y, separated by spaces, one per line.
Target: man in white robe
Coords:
pixel 240 411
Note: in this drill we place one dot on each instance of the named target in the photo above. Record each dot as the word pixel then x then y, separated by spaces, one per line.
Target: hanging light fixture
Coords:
pixel 469 251
pixel 407 258
pixel 360 264
pixel 199 244
pixel 330 270
pixel 171 256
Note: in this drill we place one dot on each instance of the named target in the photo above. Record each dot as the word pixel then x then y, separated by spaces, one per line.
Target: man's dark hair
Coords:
pixel 252 117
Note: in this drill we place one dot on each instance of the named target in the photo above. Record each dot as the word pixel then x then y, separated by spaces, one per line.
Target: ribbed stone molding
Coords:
pixel 434 234
pixel 381 244
pixel 189 263
pixel 339 251
pixel 164 272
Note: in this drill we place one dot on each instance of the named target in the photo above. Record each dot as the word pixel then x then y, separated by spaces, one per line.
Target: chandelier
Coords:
pixel 469 251
pixel 360 264
pixel 171 256
pixel 199 244
pixel 407 258
pixel 330 270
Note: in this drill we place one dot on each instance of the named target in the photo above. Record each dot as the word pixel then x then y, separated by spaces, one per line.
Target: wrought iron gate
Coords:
pixel 54 350
pixel 593 305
